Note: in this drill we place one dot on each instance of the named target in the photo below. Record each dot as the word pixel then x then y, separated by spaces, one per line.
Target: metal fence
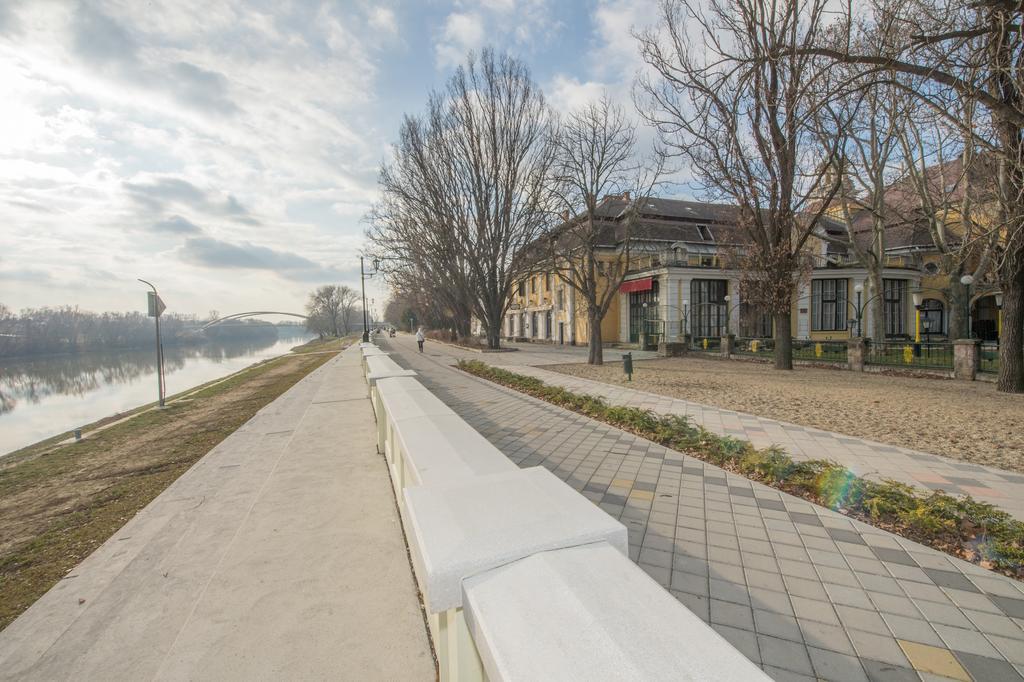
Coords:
pixel 753 347
pixel 988 358
pixel 910 354
pixel 819 351
pixel 706 343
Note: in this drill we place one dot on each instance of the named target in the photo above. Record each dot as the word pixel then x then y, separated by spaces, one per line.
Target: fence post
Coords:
pixel 965 359
pixel 726 348
pixel 856 350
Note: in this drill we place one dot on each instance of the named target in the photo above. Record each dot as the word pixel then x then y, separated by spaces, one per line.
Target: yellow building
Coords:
pixel 680 284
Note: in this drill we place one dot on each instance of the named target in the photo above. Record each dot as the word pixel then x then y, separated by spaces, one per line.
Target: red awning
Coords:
pixel 645 284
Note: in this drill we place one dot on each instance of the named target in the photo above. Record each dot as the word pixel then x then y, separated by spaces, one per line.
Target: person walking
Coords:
pixel 420 338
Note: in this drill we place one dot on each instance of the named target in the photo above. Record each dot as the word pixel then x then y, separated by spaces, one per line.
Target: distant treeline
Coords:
pixel 66 329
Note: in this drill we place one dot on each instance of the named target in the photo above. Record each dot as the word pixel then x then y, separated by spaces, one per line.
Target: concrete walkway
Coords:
pixel 801 590
pixel 279 555
pixel 1003 489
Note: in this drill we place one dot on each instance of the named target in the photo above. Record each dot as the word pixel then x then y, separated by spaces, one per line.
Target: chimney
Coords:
pixel 565 216
pixel 625 195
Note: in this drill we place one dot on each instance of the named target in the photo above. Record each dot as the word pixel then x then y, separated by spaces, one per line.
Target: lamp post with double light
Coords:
pixel 363 276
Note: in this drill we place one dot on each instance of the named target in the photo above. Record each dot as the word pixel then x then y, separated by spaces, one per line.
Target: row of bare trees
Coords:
pixel 476 185
pixel 908 112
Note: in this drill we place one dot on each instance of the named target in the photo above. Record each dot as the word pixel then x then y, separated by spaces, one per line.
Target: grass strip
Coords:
pixel 961 526
pixel 58 503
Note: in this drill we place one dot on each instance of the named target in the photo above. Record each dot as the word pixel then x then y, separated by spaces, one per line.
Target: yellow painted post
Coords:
pixel 999 323
pixel 917 326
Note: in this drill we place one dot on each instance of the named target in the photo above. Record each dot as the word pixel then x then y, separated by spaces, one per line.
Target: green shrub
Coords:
pixel 771 464
pixel 838 487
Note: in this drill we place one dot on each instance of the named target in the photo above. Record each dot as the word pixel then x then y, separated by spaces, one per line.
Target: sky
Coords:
pixel 228 151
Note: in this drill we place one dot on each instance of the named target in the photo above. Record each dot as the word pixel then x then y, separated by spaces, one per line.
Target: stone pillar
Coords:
pixel 965 358
pixel 570 294
pixel 726 349
pixel 671 306
pixel 856 353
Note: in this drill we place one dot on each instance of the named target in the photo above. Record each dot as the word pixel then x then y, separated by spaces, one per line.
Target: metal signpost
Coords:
pixel 156 308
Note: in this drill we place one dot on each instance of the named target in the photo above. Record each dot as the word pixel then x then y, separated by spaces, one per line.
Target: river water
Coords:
pixel 42 397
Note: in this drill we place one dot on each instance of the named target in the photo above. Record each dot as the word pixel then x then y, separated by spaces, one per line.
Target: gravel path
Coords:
pixel 967 421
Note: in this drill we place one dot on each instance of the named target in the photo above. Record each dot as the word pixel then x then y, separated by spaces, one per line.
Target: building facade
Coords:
pixel 680 284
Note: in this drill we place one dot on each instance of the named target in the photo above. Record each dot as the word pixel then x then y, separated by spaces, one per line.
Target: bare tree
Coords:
pixel 970 51
pixel 741 116
pixel 597 179
pixel 329 308
pixel 943 172
pixel 868 122
pixel 465 191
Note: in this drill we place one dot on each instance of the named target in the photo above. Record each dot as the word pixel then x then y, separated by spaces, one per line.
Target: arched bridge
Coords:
pixel 254 313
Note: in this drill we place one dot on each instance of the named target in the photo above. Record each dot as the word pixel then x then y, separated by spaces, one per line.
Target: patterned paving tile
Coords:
pixel 786 582
pixel 876 460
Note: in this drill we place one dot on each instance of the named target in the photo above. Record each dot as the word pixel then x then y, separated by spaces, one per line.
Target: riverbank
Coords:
pixel 59 502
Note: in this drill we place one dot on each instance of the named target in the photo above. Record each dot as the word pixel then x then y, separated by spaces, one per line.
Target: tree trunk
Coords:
pixel 1011 268
pixel 783 341
pixel 493 324
pixel 1011 340
pixel 595 349
pixel 957 305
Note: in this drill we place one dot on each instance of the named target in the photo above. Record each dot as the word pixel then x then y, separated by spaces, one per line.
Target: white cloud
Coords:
pixel 567 93
pixel 383 19
pixel 462 32
pixel 130 127
pixel 519 25
pixel 615 53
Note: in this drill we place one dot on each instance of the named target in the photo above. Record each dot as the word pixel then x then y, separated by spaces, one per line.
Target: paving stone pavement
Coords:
pixel 801 590
pixel 866 458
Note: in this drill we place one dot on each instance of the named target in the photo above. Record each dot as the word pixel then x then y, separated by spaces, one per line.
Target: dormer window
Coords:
pixel 705 233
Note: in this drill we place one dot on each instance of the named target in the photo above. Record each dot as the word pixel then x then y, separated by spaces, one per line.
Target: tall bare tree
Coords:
pixel 740 114
pixel 465 191
pixel 329 309
pixel 973 51
pixel 597 179
pixel 867 121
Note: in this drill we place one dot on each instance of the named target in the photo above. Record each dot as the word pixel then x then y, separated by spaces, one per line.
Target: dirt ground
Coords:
pixel 58 503
pixel 963 420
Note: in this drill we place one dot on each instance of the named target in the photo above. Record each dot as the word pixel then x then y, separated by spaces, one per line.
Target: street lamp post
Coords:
pixel 918 299
pixel 999 314
pixel 363 276
pixel 156 307
pixel 967 281
pixel 859 290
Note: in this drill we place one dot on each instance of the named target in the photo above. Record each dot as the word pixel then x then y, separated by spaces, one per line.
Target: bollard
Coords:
pixel 627 365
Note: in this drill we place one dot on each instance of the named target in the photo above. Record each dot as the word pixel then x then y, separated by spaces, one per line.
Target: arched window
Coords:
pixel 933 317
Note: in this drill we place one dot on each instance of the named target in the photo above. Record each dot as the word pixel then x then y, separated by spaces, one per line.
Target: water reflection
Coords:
pixel 82 386
pixel 34 379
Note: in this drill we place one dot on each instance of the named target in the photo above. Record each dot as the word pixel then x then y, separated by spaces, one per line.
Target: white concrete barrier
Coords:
pixel 496 550
pixel 398 399
pixel 442 449
pixel 458 530
pixel 589 613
